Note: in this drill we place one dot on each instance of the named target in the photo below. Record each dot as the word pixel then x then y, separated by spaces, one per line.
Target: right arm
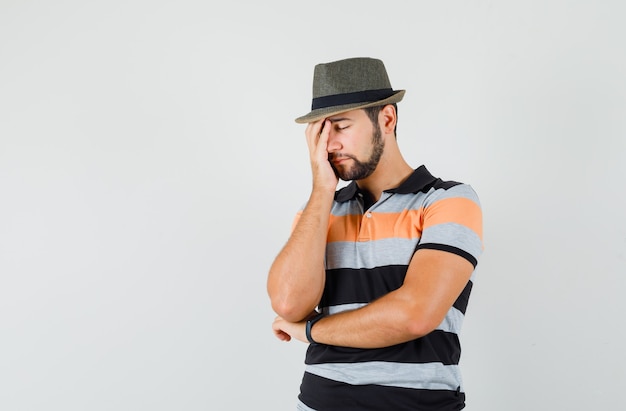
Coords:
pixel 296 279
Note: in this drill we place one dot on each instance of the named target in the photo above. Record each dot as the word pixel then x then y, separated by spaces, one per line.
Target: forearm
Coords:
pixel 434 281
pixel 296 278
pixel 391 320
pixel 388 321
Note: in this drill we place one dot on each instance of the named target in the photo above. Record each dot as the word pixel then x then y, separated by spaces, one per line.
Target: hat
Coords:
pixel 349 84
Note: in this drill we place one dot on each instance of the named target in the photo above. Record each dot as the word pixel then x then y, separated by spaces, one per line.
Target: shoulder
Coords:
pixel 442 190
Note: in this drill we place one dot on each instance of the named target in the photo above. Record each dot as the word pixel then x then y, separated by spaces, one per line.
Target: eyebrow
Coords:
pixel 338 119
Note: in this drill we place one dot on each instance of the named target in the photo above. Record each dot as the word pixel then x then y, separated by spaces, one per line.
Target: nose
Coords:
pixel 334 144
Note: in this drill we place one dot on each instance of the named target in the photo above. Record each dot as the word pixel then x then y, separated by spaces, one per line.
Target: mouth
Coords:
pixel 339 159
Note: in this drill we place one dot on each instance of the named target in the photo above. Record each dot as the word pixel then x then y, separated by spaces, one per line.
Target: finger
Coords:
pixel 313 132
pixel 282 336
pixel 278 332
pixel 325 132
pixel 322 143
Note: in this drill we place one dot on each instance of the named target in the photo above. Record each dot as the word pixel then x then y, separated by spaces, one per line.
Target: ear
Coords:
pixel 387 119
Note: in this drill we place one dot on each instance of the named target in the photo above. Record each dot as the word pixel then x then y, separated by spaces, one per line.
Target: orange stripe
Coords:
pixel 406 224
pixel 461 211
pixel 343 228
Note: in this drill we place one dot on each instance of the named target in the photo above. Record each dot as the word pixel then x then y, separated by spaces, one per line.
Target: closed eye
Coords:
pixel 341 123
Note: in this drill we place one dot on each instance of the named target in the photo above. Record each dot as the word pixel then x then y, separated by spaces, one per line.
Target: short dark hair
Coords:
pixel 372 113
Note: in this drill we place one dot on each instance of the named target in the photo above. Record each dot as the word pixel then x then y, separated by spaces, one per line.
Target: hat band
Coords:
pixel 351 98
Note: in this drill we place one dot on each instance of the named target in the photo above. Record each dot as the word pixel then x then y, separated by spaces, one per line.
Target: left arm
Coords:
pixel 433 282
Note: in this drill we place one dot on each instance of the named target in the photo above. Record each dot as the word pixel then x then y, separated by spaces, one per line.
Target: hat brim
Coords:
pixel 321 113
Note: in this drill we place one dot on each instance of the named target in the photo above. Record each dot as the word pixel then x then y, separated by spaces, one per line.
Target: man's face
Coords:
pixel 355 146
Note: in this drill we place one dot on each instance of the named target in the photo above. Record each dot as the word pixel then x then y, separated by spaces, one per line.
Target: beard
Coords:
pixel 362 169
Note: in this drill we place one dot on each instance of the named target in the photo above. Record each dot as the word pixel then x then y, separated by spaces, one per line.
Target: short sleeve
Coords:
pixel 452 221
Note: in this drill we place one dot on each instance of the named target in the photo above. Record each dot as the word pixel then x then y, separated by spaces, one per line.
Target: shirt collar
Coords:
pixel 417 181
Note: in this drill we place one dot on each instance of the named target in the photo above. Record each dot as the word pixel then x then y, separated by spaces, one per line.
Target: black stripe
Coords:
pixel 346 285
pixel 350 98
pixel 444 185
pixel 323 394
pixel 450 249
pixel 463 300
pixel 438 346
pixel 363 285
pixel 419 181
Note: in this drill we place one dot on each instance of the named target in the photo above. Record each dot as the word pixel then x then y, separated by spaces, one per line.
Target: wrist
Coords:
pixel 324 187
pixel 322 196
pixel 309 326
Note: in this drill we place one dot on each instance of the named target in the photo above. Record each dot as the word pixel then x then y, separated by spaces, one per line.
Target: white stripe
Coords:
pixel 429 376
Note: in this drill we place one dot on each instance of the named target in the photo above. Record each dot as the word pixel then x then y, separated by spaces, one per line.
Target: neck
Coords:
pixel 391 171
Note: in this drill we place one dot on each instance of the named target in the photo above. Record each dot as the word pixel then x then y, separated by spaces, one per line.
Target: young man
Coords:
pixel 377 275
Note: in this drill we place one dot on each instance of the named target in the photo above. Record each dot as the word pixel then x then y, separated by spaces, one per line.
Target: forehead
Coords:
pixel 352 115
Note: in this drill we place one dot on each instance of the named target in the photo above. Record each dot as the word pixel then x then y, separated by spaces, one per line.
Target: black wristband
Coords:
pixel 309 324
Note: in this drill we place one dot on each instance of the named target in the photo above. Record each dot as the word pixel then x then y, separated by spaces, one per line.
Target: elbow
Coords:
pixel 289 311
pixel 286 306
pixel 420 325
pixel 292 303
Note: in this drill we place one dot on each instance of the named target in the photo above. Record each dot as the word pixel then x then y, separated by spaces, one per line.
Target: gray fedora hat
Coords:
pixel 349 84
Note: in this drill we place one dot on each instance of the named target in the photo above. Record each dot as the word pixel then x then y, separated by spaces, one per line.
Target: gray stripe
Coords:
pixel 399 251
pixel 458 191
pixel 454 234
pixel 430 376
pixel 300 406
pixel 341 308
pixel 347 208
pixel 370 254
pixel 452 322
pixel 402 202
pixel 407 201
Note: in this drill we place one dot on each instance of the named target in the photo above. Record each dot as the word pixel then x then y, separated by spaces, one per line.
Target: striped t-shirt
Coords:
pixel 367 255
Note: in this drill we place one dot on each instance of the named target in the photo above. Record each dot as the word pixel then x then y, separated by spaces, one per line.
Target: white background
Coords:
pixel 150 168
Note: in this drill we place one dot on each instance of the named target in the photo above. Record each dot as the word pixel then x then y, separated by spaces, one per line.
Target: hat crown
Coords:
pixel 349 84
pixel 349 76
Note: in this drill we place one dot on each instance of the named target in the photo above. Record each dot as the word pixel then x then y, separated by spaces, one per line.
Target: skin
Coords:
pixel 296 279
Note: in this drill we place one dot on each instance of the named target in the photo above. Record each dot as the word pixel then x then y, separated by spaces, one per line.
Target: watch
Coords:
pixel 309 324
